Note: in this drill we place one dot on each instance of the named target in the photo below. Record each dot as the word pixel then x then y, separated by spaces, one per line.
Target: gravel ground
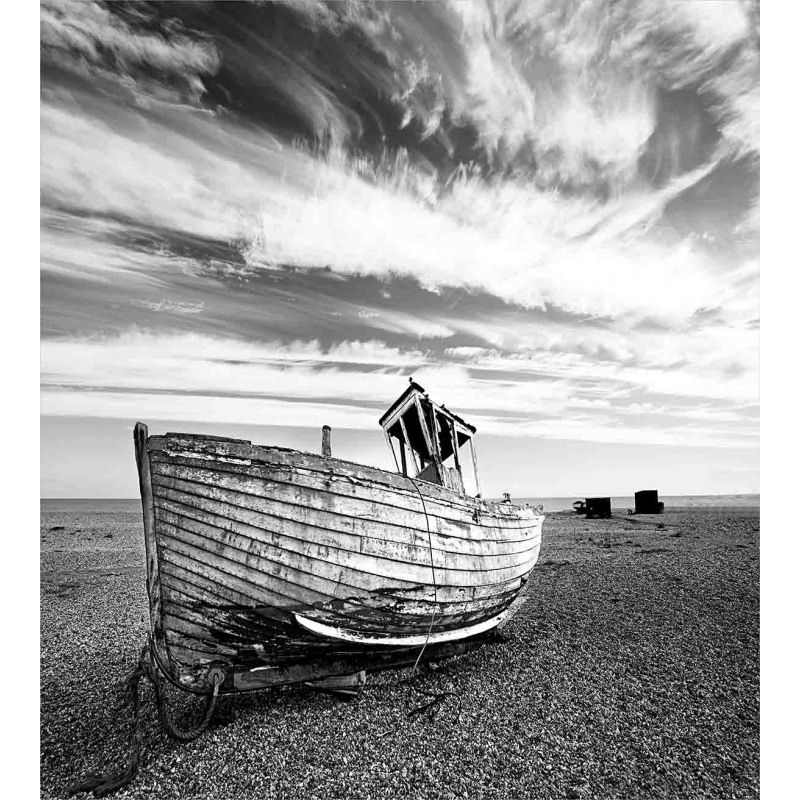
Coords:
pixel 630 672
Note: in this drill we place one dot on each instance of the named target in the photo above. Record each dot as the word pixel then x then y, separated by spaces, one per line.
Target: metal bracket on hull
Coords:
pixel 344 635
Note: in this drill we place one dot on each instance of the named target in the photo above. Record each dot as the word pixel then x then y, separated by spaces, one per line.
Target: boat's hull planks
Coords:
pixel 242 539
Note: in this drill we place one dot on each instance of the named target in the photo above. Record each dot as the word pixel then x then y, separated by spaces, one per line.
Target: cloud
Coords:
pixel 170 306
pixel 548 166
pixel 570 100
pixel 88 37
pixel 505 239
pixel 556 395
pixel 145 173
pixel 300 212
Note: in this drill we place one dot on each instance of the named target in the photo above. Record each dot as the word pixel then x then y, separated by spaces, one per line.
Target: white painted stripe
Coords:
pixel 342 634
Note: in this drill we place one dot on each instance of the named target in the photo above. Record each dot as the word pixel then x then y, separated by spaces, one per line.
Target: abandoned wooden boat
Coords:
pixel 268 566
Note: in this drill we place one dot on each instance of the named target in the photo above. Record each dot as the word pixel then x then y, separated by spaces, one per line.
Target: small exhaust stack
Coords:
pixel 326 440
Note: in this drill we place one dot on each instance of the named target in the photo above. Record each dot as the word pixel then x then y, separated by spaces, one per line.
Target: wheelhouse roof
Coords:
pixel 415 390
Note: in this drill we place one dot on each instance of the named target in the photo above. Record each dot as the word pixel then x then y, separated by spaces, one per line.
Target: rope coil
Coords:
pixel 102 785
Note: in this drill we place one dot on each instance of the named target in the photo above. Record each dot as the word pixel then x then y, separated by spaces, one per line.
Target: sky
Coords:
pixel 257 219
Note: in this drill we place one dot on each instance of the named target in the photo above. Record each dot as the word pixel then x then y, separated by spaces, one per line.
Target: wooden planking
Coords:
pixel 221 628
pixel 460 520
pixel 295 487
pixel 179 629
pixel 397 621
pixel 202 650
pixel 371 613
pixel 185 654
pixel 311 528
pixel 449 600
pixel 283 499
pixel 223 574
pixel 150 540
pixel 405 639
pixel 245 455
pixel 182 578
pixel 407 521
pixel 217 579
pixel 217 625
pixel 218 633
pixel 357 570
pixel 412 612
pixel 176 576
pixel 254 621
pixel 229 518
pixel 287 574
pixel 189 595
pixel 245 452
pixel 454 534
pixel 232 556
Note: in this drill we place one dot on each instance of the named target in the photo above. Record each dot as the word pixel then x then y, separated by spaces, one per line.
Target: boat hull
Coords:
pixel 264 560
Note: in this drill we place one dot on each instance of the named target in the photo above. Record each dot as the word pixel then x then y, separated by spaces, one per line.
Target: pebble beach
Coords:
pixel 631 671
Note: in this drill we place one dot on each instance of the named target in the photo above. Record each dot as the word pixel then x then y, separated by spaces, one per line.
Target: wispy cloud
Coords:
pixel 321 214
pixel 290 207
pixel 545 395
pixel 109 46
pixel 548 213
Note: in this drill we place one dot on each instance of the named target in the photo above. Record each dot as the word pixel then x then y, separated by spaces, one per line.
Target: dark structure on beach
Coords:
pixel 599 507
pixel 647 502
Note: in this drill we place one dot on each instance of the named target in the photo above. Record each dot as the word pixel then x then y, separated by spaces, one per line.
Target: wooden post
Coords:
pixel 417 467
pixel 391 447
pixel 403 456
pixel 475 465
pixel 326 440
pixel 425 432
pixel 437 450
pixel 454 437
pixel 150 544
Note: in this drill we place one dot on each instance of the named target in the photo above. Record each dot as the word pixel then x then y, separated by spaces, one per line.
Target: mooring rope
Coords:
pixel 166 718
pixel 103 785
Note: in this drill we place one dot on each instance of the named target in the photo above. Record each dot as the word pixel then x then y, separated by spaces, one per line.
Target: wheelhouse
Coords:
pixel 430 443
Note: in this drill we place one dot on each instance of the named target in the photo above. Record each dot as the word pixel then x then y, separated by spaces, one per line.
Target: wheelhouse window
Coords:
pixel 430 443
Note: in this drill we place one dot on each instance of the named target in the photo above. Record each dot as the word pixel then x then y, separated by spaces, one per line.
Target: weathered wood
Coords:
pixel 407 442
pixel 475 466
pixel 369 501
pixel 454 437
pixel 425 431
pixel 249 537
pixel 320 527
pixel 185 575
pixel 370 661
pixel 326 441
pixel 246 454
pixel 409 639
pixel 248 459
pixel 351 569
pixel 391 447
pixel 362 622
pixel 157 633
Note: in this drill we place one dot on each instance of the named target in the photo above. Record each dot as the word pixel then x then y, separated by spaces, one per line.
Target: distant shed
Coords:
pixel 647 502
pixel 598 507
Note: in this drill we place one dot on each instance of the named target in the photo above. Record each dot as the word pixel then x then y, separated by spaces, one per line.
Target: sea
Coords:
pixel 551 504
